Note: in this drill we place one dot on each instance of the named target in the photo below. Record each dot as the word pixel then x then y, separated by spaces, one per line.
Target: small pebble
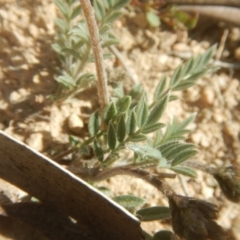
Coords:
pixel 75 123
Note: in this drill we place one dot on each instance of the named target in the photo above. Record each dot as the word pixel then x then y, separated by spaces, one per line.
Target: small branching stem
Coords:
pixel 128 70
pixel 61 155
pixel 72 149
pixel 97 52
pixel 150 178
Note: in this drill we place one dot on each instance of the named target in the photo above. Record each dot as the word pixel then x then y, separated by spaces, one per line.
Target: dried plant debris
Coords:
pixel 228 179
pixel 194 219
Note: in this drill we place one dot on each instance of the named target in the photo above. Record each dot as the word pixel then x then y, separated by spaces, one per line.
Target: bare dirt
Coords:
pixel 28 67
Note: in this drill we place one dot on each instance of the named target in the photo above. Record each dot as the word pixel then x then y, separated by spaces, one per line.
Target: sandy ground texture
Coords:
pixel 28 67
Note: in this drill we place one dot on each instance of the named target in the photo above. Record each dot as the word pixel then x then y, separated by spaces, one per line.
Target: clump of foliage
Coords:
pixel 125 122
pixel 157 12
pixel 73 43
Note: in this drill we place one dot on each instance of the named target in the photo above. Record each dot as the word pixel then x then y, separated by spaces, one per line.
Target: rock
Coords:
pixel 18 96
pixel 207 97
pixel 207 191
pixel 181 47
pixel 75 123
pixel 33 30
pixel 35 141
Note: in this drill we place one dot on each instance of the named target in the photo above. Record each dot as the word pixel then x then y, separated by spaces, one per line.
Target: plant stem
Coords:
pixel 59 156
pixel 201 166
pixel 97 52
pixel 150 178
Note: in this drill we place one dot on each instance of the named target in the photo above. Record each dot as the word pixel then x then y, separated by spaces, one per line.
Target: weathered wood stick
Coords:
pixel 54 185
pixel 234 3
pixel 223 13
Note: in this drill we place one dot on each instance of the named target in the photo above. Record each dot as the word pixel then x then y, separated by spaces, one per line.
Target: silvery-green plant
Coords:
pixel 73 44
pixel 124 123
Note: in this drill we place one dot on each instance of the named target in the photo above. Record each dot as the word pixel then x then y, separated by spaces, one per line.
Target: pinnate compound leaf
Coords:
pixel 142 112
pixel 106 3
pixel 112 3
pixel 136 91
pixel 121 128
pixel 183 156
pixel 75 12
pixel 78 44
pixel 119 91
pixel 158 110
pixel 197 64
pixel 129 201
pixel 104 29
pixel 173 98
pixel 113 16
pixel 158 138
pixel 66 80
pixel 109 41
pixel 105 56
pixel 86 78
pixel 73 140
pixel 61 24
pixel 118 4
pixel 123 104
pixel 62 7
pixel 94 124
pixel 187 121
pixel 188 67
pixel 152 128
pixel 196 75
pixel 160 88
pixel 164 235
pixel 145 151
pixel 176 130
pixel 203 60
pixel 137 138
pixel 99 10
pixel 167 147
pixel 177 148
pixel 190 81
pixel 184 85
pixel 131 123
pixel 208 54
pixel 80 30
pixel 110 112
pixel 98 150
pixel 70 2
pixel 179 135
pixel 153 213
pixel 192 70
pixel 72 53
pixel 190 172
pixel 111 137
pixel 176 78
pixel 57 48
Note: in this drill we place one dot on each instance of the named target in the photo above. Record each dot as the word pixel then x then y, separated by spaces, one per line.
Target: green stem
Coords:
pixel 73 149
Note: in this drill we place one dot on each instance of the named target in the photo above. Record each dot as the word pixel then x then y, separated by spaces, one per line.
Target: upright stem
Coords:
pixel 97 52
